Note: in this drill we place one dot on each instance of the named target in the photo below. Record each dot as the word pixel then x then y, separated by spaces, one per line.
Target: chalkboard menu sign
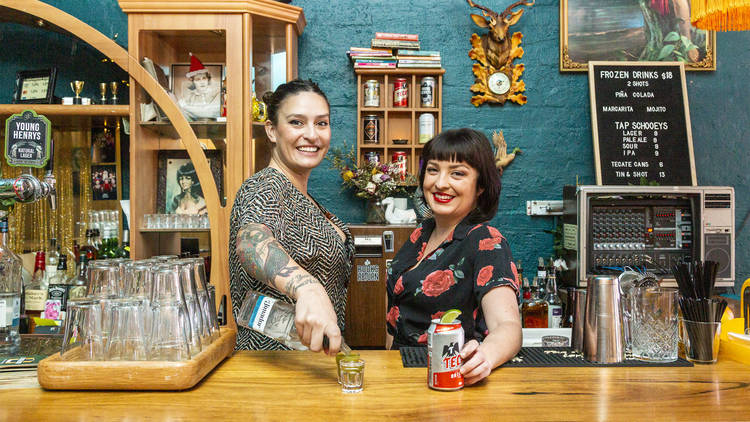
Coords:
pixel 641 124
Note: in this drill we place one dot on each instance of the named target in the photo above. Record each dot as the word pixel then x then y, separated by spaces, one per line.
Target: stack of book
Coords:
pixel 390 50
pixel 418 58
pixel 391 40
pixel 372 57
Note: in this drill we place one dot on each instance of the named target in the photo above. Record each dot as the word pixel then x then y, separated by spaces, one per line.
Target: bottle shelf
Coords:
pixel 68 110
pixel 203 130
pixel 206 230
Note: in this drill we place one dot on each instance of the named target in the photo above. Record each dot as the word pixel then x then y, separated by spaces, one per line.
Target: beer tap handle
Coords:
pixel 49 177
pixel 51 163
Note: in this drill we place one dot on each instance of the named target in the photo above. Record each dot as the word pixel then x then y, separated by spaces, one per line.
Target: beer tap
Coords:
pixel 49 177
pixel 26 188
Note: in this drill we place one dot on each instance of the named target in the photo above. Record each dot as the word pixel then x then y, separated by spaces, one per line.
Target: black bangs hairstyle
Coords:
pixel 274 99
pixel 473 148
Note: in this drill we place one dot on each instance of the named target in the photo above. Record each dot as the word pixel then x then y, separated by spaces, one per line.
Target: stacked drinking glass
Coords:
pixel 151 309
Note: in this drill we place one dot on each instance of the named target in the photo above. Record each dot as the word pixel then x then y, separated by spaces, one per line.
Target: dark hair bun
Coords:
pixel 267 97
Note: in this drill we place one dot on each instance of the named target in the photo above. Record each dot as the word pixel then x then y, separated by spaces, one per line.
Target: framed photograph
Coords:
pixel 199 96
pixel 35 86
pixel 178 190
pixel 626 30
pixel 103 146
pixel 104 182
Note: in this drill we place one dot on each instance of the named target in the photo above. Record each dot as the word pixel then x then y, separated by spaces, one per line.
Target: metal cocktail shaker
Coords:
pixel 578 304
pixel 603 339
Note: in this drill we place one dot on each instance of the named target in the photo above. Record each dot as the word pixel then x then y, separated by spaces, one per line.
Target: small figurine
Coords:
pixel 502 158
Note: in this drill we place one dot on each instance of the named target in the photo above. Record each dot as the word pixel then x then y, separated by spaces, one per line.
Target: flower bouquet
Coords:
pixel 370 181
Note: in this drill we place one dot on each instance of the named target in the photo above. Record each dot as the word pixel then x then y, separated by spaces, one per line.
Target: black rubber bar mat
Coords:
pixel 416 357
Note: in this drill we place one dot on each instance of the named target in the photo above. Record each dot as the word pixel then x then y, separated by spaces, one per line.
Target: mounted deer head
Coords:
pixel 496 42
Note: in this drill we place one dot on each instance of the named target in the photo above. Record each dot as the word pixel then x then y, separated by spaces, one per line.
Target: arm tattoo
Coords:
pixel 297 282
pixel 261 255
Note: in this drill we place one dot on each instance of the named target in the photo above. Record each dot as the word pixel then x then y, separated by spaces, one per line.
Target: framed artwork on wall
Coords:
pixel 35 86
pixel 103 145
pixel 626 30
pixel 104 182
pixel 198 92
pixel 178 190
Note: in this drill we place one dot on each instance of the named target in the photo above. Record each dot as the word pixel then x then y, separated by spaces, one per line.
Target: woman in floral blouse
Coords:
pixel 456 260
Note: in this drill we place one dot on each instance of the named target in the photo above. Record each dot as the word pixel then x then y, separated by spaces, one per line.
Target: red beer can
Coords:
pixel 399 160
pixel 444 344
pixel 400 93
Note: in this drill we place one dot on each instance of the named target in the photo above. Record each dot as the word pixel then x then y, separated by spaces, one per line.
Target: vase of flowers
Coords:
pixel 370 181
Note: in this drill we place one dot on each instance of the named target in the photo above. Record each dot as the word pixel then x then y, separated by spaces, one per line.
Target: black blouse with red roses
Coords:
pixel 473 260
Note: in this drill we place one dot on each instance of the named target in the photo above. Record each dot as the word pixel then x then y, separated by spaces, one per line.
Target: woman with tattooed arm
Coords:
pixel 283 243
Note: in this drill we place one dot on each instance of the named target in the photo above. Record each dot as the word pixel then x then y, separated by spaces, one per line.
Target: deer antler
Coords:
pixel 508 10
pixel 485 11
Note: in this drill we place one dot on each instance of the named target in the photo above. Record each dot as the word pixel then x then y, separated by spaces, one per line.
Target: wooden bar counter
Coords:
pixel 301 386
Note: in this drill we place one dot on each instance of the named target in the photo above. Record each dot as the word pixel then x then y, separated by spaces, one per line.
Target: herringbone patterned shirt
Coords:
pixel 303 229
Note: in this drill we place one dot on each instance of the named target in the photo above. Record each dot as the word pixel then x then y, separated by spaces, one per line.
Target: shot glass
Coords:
pixel 339 357
pixel 701 340
pixel 352 375
pixel 161 221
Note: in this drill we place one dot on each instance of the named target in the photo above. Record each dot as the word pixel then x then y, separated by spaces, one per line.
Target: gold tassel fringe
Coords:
pixel 720 15
pixel 32 225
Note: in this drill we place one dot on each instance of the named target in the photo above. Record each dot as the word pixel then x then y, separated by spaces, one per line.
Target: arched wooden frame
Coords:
pixel 218 216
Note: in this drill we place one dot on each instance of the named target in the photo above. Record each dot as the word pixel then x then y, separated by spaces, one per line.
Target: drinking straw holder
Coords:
pixel 701 313
pixel 701 340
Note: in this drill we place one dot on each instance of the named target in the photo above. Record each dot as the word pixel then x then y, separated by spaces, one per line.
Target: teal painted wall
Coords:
pixel 553 129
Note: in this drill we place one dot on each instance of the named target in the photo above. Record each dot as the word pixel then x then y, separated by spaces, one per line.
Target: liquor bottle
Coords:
pixel 51 260
pixel 57 297
pixel 76 252
pixel 11 287
pixel 36 292
pixel 567 321
pixel 124 250
pixel 90 245
pixel 554 311
pixel 110 243
pixel 534 311
pixel 273 318
pixel 97 240
pixel 541 270
pixel 79 283
pixel 522 293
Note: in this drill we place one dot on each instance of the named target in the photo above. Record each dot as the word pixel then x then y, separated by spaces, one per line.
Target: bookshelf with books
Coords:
pixel 398 126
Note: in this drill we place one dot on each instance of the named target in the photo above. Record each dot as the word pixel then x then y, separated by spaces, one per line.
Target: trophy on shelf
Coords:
pixel 103 92
pixel 113 88
pixel 77 87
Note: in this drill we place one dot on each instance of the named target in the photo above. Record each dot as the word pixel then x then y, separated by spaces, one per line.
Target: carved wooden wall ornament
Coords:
pixel 497 79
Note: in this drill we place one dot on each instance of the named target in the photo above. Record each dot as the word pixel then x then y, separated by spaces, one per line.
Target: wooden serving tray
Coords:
pixel 57 374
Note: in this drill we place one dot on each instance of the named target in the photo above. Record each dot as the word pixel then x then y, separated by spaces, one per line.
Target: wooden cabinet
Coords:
pixel 366 302
pixel 253 37
pixel 397 123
